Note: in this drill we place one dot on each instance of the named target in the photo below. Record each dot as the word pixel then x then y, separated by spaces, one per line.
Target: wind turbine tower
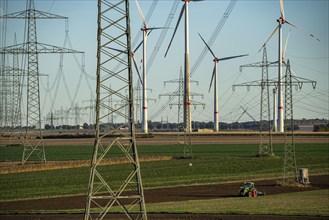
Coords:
pixel 187 72
pixel 146 31
pixel 215 79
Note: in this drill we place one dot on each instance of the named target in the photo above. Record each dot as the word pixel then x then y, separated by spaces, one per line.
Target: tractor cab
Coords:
pixel 248 189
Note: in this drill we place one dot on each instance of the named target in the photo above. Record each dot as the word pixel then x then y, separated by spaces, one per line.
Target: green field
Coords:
pixel 211 164
pixel 310 203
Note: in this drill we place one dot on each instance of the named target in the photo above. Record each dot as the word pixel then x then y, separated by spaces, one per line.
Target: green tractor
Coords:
pixel 248 189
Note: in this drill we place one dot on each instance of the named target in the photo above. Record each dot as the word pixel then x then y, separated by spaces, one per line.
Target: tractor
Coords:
pixel 248 189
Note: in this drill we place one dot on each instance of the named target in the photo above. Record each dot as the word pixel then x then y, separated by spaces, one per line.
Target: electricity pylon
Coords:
pixel 264 148
pixel 289 163
pixel 109 187
pixel 33 141
pixel 16 91
pixel 183 137
pixel 265 145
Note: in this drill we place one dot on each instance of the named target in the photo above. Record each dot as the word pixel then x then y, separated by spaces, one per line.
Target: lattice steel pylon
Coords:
pixel 33 141
pixel 33 116
pixel 183 136
pixel 265 146
pixel 16 90
pixel 289 163
pixel 108 186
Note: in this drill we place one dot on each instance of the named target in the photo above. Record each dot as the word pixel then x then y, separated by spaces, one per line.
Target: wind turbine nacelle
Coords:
pixel 281 20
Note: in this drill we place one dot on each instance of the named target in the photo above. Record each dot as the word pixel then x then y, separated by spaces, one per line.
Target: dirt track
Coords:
pixel 166 195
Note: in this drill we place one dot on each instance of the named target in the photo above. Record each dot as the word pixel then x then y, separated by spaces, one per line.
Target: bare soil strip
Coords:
pixel 182 193
pixel 20 209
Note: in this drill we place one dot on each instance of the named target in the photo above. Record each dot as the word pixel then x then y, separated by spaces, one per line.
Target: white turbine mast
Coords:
pixel 214 79
pixel 187 91
pixel 146 31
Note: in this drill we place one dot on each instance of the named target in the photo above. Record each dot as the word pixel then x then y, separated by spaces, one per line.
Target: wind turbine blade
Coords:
pixel 212 78
pixel 207 46
pixel 136 67
pixel 228 58
pixel 285 46
pixel 138 46
pixel 120 51
pixel 157 28
pixel 275 30
pixel 141 14
pixel 282 9
pixel 301 29
pixel 172 38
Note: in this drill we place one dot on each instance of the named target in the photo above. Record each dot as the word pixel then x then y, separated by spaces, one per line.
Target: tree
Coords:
pixel 85 126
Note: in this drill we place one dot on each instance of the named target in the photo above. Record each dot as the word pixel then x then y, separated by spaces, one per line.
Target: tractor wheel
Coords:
pixel 249 194
pixel 254 193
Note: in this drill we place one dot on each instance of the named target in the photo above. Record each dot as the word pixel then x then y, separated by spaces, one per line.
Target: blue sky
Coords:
pixel 247 28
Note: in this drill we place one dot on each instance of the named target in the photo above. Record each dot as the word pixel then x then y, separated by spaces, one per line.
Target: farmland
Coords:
pixel 214 164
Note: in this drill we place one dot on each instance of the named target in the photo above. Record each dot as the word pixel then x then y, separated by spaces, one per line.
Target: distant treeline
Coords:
pixel 160 126
pixel 319 125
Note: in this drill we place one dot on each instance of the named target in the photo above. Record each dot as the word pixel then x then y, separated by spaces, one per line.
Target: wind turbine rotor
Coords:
pixel 282 9
pixel 136 67
pixel 141 14
pixel 213 75
pixel 179 18
pixel 232 57
pixel 301 29
pixel 157 28
pixel 275 30
pixel 133 58
pixel 285 47
pixel 208 47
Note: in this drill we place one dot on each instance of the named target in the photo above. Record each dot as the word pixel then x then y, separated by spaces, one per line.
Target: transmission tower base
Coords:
pixel 34 150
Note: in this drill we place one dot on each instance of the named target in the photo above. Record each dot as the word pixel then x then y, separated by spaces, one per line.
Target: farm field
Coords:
pixel 220 168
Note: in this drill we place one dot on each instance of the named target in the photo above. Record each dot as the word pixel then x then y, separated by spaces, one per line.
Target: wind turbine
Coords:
pixel 187 102
pixel 146 31
pixel 215 79
pixel 282 20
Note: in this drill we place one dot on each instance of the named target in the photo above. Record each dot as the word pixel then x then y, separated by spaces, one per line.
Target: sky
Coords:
pixel 245 31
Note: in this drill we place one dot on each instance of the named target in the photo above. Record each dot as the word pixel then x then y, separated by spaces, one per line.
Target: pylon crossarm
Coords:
pixel 37 15
pixel 40 48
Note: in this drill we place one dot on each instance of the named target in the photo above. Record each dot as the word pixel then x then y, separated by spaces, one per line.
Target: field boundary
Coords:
pixel 16 167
